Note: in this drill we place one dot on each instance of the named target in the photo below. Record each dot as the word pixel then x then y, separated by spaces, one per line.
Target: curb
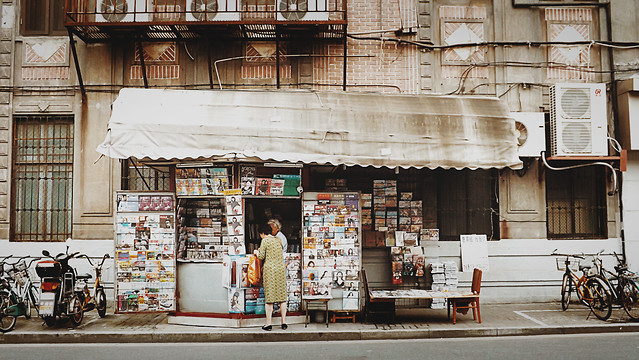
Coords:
pixel 290 336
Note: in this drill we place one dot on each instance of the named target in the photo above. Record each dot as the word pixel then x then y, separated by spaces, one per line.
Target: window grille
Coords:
pixel 42 178
pixel 576 203
pixel 136 176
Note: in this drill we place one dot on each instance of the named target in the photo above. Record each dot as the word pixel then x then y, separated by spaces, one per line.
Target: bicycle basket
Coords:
pixel 574 263
pixel 21 266
pixel 19 273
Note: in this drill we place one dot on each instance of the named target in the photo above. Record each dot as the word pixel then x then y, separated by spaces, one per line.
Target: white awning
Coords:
pixel 313 128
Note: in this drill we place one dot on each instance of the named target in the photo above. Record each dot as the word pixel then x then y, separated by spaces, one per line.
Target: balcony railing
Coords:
pixel 201 12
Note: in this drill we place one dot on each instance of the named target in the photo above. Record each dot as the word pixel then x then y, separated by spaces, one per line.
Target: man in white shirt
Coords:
pixel 276 227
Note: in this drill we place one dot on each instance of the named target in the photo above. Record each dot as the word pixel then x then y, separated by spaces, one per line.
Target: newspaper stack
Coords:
pixel 450 274
pixel 437 272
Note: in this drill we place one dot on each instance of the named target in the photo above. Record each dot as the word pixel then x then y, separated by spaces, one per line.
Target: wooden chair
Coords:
pixel 376 306
pixel 468 303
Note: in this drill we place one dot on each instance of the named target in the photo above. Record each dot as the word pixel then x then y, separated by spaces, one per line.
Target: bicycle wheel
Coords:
pixel 27 305
pixel 101 302
pixel 76 312
pixel 600 301
pixel 630 299
pixel 35 297
pixel 6 322
pixel 565 291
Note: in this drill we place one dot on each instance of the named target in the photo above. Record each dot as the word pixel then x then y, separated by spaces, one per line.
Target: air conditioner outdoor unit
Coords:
pixel 122 11
pixel 578 120
pixel 212 10
pixel 531 133
pixel 302 10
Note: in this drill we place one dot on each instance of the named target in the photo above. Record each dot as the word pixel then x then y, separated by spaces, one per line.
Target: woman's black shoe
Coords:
pixel 267 328
pixel 284 326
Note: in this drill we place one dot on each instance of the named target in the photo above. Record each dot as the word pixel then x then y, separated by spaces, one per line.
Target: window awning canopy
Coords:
pixel 313 127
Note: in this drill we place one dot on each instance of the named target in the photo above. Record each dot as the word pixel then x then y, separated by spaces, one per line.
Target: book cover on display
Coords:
pixel 248 185
pixel 233 202
pixel 350 301
pixel 236 300
pixel 263 186
pixel 234 225
pixel 127 202
pixel 277 187
pixel 338 279
pixel 411 239
pixel 248 171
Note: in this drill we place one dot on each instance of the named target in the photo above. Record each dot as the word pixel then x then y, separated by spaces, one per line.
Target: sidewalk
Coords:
pixel 497 320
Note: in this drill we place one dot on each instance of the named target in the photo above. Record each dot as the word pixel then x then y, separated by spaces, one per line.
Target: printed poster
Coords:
pixel 474 252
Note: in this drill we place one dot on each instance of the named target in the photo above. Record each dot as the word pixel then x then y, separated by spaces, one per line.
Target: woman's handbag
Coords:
pixel 254 271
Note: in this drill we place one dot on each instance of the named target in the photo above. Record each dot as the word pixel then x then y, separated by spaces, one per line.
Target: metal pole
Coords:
pixel 277 56
pixel 77 66
pixel 146 81
pixel 345 55
pixel 208 48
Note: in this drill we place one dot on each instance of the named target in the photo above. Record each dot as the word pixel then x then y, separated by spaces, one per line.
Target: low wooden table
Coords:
pixel 323 300
pixel 343 315
pixel 419 294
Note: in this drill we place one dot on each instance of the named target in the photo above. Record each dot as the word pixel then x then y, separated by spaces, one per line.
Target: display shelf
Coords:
pixel 332 249
pixel 145 263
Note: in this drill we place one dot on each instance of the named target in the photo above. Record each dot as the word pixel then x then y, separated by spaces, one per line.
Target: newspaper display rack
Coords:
pixel 332 249
pixel 145 251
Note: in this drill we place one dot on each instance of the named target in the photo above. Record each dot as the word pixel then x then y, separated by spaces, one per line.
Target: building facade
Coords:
pixel 59 81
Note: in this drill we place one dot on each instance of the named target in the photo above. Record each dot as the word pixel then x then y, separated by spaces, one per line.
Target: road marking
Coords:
pixel 521 313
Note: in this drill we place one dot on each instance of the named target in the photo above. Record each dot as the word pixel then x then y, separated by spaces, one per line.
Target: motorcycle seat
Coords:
pixel 83 277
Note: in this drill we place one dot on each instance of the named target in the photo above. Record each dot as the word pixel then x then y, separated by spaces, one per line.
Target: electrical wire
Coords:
pixel 615 144
pixel 614 172
pixel 431 46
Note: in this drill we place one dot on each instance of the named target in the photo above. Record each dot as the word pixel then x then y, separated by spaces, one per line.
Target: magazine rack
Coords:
pixel 145 251
pixel 331 250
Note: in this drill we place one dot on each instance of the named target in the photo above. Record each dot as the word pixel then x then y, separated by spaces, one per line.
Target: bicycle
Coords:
pixel 17 297
pixel 623 286
pixel 590 288
pixel 98 299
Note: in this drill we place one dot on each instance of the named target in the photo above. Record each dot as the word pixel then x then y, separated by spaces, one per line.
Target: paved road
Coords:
pixel 579 347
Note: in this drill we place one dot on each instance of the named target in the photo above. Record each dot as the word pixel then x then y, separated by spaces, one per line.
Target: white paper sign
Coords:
pixel 474 252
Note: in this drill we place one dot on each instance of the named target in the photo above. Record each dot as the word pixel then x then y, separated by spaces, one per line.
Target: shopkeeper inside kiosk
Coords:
pixel 276 228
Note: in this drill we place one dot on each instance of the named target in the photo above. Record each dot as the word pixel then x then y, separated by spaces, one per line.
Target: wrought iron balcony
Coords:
pixel 107 20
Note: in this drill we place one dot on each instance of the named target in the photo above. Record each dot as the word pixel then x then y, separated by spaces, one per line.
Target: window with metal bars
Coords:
pixel 137 176
pixel 467 203
pixel 576 203
pixel 42 180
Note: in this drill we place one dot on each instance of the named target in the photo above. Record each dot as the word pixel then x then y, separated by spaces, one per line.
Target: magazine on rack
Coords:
pixel 248 185
pixel 277 187
pixel 234 225
pixel 236 300
pixel 263 186
pixel 233 202
pixel 350 300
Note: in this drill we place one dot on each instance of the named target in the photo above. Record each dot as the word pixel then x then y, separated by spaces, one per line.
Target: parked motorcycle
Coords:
pixel 57 295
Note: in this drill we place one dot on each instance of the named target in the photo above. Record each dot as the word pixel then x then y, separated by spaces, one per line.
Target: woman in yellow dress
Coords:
pixel 273 274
